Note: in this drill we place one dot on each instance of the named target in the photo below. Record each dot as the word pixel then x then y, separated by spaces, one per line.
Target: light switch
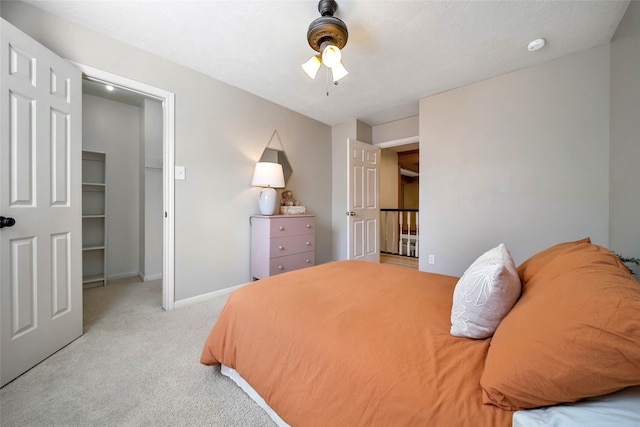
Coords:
pixel 180 173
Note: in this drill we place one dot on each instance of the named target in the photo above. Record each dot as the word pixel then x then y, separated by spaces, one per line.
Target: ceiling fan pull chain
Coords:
pixel 328 82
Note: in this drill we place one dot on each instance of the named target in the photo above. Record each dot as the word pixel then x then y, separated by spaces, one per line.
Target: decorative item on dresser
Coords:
pixel 281 243
pixel 289 205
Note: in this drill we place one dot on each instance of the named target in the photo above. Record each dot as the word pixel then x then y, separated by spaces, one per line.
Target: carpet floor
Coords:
pixel 135 365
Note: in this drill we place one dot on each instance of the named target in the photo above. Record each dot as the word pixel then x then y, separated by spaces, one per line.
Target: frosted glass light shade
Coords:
pixel 338 72
pixel 331 56
pixel 267 174
pixel 312 66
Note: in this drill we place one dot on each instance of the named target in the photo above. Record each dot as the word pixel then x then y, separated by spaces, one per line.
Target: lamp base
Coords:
pixel 268 197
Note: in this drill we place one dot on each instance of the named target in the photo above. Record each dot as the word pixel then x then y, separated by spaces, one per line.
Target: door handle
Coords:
pixel 6 222
pixel 350 213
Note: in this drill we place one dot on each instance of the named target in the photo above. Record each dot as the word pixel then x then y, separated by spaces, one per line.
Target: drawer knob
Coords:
pixel 280 267
pixel 308 243
pixel 281 247
pixel 307 261
pixel 308 225
pixel 281 228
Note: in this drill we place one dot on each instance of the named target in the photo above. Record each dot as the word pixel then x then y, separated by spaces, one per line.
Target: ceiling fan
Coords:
pixel 327 35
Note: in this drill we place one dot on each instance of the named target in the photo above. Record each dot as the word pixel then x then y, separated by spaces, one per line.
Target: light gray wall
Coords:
pixel 220 133
pixel 114 128
pixel 398 129
pixel 625 137
pixel 522 158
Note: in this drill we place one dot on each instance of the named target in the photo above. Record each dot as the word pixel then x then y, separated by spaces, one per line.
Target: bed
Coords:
pixel 352 343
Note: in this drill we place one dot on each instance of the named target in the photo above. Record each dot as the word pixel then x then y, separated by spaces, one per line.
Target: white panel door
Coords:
pixel 40 188
pixel 363 201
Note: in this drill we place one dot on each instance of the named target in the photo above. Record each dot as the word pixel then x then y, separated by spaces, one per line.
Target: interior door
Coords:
pixel 363 201
pixel 40 189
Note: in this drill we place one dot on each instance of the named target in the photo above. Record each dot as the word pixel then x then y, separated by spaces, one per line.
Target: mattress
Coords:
pixel 615 409
pixel 621 408
pixel 246 387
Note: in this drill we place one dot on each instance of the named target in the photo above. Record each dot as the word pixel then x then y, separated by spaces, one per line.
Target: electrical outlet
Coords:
pixel 432 259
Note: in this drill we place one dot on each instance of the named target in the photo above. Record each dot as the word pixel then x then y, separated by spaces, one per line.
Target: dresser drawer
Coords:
pixel 283 246
pixel 291 262
pixel 281 243
pixel 292 226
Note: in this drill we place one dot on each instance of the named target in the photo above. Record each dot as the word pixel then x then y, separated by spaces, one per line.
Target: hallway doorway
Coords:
pixel 399 202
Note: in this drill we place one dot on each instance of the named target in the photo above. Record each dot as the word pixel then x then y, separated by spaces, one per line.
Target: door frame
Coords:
pixel 397 143
pixel 168 168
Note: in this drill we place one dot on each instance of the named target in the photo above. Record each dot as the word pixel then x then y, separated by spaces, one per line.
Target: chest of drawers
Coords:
pixel 281 243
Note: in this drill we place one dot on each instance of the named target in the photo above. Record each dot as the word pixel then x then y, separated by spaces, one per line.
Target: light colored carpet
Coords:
pixel 135 365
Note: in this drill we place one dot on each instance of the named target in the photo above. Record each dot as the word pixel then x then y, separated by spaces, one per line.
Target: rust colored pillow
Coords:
pixel 574 335
pixel 533 265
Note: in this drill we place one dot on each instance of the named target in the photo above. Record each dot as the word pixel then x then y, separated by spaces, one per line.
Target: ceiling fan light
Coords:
pixel 312 66
pixel 338 72
pixel 331 56
pixel 327 35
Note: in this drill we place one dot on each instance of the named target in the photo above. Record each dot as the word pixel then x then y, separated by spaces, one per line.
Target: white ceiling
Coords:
pixel 397 52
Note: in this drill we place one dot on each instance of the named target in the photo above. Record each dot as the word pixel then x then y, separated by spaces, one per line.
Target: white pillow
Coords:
pixel 484 294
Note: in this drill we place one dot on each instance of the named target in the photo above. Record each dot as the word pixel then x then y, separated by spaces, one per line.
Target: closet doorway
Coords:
pixel 132 124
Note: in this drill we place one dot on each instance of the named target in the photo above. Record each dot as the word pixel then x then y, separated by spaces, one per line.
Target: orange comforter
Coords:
pixel 353 343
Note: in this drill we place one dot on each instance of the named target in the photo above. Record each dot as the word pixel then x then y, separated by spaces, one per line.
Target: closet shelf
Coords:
pixel 94 224
pixel 93 186
pixel 93 278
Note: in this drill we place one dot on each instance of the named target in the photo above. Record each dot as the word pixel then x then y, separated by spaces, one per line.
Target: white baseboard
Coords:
pixel 150 277
pixel 122 275
pixel 207 296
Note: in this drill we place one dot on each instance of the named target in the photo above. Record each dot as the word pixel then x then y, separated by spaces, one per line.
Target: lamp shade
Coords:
pixel 267 174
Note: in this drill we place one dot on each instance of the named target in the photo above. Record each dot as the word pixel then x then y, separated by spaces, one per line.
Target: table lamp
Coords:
pixel 268 175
